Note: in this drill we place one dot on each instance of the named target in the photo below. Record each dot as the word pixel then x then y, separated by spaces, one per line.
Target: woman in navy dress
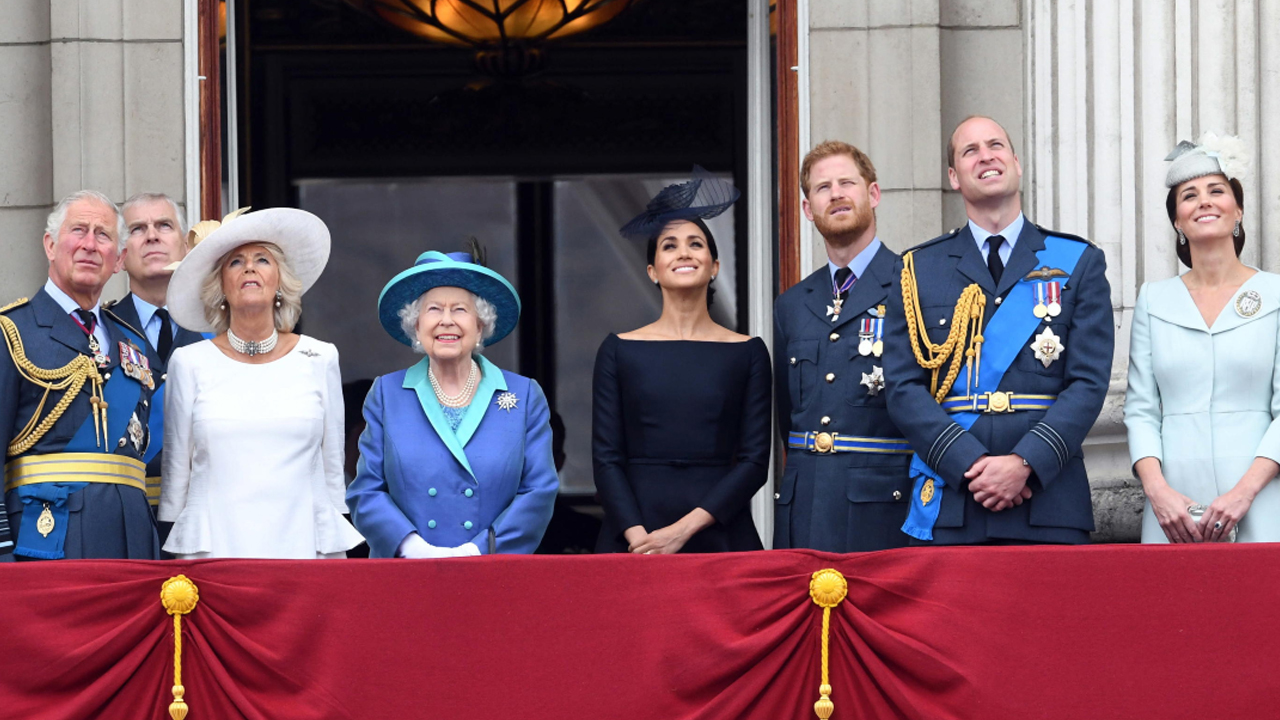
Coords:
pixel 681 415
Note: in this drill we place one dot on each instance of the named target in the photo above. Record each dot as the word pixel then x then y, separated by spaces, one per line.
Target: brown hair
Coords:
pixel 951 141
pixel 1171 206
pixel 831 148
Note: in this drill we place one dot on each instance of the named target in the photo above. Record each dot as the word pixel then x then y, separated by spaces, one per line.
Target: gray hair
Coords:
pixel 146 197
pixel 219 316
pixel 53 224
pixel 485 311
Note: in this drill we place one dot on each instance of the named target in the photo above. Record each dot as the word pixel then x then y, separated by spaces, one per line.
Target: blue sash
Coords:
pixel 121 393
pixel 1006 335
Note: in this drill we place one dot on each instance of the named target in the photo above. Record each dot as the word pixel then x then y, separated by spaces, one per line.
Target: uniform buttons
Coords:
pixel 826 420
pixel 835 337
pixel 121 442
pixel 431 524
pixel 793 361
pixel 777 496
pixel 432 492
pixel 999 300
pixel 106 376
pixel 164 377
pixel 468 492
pixel 943 321
pixel 897 494
pixel 467 524
pixel 831 377
pixel 146 403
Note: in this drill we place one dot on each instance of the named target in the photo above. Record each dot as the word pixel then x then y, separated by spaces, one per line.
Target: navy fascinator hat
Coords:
pixel 703 196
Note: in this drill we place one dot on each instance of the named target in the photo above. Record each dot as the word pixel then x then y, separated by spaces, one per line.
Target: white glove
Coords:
pixel 465 550
pixel 415 548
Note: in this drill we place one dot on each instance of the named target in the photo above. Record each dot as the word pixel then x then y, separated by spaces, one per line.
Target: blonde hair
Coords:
pixel 218 313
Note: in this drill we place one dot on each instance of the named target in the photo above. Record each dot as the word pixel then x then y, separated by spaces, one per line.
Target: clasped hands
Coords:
pixel 670 539
pixel 999 482
pixel 415 548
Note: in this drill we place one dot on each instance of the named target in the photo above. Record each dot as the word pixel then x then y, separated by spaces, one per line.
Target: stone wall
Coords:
pixel 91 96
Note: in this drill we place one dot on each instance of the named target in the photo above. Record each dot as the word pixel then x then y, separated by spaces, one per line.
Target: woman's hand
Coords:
pixel 634 535
pixel 1224 513
pixel 670 539
pixel 1170 507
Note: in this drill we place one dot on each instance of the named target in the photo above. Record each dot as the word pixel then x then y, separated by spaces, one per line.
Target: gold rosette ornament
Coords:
pixel 179 596
pixel 827 588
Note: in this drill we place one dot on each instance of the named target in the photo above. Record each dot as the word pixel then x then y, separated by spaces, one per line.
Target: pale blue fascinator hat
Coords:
pixel 1213 155
pixel 436 269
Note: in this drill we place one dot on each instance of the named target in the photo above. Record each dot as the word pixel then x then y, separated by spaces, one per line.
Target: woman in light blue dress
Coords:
pixel 1204 392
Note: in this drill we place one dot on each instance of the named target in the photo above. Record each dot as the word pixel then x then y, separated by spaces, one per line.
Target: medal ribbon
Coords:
pixel 841 289
pixel 1040 293
pixel 1055 292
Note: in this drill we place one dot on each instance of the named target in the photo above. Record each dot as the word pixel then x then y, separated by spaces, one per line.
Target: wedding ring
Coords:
pixel 1217 525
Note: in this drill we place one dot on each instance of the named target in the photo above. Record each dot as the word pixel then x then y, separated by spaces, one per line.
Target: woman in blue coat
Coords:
pixel 456 458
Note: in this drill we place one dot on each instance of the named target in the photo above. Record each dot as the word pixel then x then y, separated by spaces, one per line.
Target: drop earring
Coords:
pixel 1236 233
pixel 1182 239
pixel 279 298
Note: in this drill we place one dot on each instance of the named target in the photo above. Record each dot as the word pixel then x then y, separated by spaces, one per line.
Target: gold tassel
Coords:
pixel 828 589
pixel 179 597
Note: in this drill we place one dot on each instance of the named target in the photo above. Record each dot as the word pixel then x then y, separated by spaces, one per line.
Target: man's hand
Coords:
pixel 999 482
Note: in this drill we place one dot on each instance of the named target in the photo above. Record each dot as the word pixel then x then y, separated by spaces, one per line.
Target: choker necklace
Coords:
pixel 463 398
pixel 253 347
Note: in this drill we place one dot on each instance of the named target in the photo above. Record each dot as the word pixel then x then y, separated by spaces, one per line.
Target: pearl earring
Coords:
pixel 713 278
pixel 1182 239
pixel 279 298
pixel 1236 233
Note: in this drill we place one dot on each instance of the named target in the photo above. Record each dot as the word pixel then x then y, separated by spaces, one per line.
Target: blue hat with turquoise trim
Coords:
pixel 436 269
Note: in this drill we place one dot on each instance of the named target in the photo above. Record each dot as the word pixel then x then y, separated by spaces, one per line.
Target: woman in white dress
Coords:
pixel 253 436
pixel 1203 404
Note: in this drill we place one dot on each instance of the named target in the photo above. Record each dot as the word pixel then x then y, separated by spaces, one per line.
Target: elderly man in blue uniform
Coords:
pixel 75 396
pixel 997 359
pixel 845 486
pixel 155 239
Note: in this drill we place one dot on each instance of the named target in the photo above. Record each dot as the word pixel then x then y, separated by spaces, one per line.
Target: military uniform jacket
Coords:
pixel 848 501
pixel 105 520
pixel 1060 508
pixel 126 312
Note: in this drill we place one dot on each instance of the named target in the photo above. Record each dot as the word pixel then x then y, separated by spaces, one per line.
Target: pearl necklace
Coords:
pixel 463 398
pixel 253 347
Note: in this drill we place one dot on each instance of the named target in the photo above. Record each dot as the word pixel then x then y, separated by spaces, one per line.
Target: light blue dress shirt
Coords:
pixel 67 304
pixel 859 262
pixel 1010 235
pixel 150 323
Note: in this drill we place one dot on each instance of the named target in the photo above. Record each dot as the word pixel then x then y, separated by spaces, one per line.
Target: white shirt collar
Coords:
pixel 1009 233
pixel 860 261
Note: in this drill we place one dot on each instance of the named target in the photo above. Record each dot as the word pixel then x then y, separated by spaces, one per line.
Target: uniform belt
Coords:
pixel 997 402
pixel 824 443
pixel 153 491
pixel 75 467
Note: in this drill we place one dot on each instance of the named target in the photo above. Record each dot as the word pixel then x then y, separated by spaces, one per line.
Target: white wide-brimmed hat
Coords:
pixel 301 236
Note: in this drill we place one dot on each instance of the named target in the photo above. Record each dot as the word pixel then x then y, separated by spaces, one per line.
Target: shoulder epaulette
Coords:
pixel 940 238
pixel 110 304
pixel 16 303
pixel 1068 236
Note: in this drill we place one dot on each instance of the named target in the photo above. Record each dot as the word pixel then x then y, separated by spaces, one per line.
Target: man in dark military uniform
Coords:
pixel 997 359
pixel 154 239
pixel 75 394
pixel 845 486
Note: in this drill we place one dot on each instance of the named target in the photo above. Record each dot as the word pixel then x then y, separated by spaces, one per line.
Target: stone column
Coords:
pixel 95 100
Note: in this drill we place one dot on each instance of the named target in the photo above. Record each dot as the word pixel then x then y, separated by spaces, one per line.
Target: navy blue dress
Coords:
pixel 678 425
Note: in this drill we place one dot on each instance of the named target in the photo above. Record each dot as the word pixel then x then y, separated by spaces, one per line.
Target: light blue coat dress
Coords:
pixel 1205 401
pixel 492 479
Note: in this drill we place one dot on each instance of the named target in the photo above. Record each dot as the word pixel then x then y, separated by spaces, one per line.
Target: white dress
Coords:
pixel 253 455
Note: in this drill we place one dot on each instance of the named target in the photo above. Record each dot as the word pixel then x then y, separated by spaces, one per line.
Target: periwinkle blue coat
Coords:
pixel 495 477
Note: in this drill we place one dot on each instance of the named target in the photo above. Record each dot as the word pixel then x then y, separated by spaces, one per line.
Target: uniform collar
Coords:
pixel 1009 233
pixel 860 261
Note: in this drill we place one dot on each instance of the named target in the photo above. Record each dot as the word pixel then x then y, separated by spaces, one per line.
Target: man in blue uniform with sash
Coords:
pixel 75 396
pixel 997 360
pixel 155 239
pixel 845 487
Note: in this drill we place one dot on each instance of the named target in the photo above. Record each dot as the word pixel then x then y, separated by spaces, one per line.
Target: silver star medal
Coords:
pixel 135 433
pixel 1048 347
pixel 507 401
pixel 874 380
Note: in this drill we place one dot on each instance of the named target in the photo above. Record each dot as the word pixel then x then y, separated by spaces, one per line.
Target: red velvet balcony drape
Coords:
pixel 1101 632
